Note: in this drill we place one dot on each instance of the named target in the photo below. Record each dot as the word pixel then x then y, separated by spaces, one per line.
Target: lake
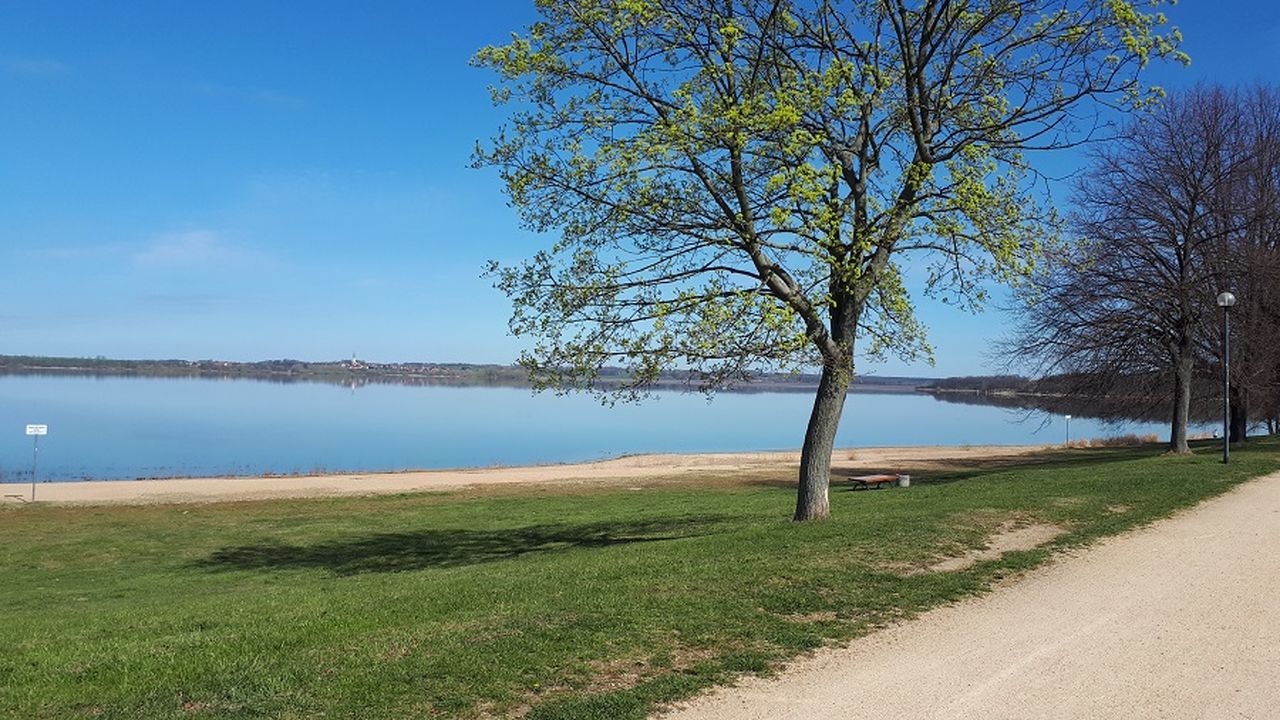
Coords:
pixel 124 428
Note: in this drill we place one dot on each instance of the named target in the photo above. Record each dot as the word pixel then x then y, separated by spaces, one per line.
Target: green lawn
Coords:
pixel 562 604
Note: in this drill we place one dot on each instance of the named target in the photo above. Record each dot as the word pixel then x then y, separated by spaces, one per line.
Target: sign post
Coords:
pixel 35 431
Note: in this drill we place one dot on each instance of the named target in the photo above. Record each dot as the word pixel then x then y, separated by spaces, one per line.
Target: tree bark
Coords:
pixel 1181 406
pixel 1239 414
pixel 819 440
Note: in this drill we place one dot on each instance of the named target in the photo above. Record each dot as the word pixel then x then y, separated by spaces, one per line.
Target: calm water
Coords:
pixel 115 428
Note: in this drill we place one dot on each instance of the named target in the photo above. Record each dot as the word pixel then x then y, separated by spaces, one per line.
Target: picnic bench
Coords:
pixel 867 482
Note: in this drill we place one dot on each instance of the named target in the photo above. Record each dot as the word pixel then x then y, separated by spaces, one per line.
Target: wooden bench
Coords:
pixel 866 482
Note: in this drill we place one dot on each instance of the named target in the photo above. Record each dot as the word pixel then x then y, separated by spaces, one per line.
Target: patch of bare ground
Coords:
pixel 813 617
pixel 1008 537
pixel 604 676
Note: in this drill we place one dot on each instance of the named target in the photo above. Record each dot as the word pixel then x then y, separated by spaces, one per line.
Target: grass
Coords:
pixel 566 604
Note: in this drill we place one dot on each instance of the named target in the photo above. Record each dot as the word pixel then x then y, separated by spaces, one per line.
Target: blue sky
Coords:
pixel 249 180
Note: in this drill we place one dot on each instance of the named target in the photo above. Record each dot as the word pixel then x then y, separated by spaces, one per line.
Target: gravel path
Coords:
pixel 1177 620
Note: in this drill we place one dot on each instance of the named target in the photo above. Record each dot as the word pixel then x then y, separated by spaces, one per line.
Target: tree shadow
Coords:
pixel 946 470
pixel 423 549
pixel 950 470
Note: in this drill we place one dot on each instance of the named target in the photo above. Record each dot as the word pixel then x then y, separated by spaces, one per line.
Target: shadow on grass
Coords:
pixel 949 470
pixel 946 471
pixel 423 549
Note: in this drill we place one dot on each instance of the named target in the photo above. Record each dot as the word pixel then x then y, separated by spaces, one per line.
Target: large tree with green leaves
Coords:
pixel 740 184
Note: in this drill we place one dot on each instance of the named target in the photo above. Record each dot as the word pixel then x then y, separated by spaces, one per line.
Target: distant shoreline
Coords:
pixel 356 372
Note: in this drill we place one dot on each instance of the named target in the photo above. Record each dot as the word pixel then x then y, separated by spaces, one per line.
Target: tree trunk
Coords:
pixel 819 441
pixel 1181 406
pixel 1239 414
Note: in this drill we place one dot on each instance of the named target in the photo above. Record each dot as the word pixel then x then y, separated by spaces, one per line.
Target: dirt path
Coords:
pixel 632 468
pixel 1177 620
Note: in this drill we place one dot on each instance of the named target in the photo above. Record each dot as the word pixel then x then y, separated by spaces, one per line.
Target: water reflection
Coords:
pixel 1204 408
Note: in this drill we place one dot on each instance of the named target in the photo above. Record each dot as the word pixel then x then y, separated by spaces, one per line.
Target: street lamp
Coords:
pixel 1225 301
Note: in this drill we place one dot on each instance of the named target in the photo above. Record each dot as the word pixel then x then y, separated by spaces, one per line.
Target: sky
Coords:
pixel 260 180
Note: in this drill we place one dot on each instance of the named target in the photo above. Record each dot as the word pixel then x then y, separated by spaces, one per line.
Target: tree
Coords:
pixel 1128 311
pixel 740 184
pixel 1247 261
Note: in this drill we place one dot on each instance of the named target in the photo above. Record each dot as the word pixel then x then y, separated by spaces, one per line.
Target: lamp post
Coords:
pixel 1225 301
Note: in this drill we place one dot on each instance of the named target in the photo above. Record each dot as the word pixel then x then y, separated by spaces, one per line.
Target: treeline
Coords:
pixel 1056 395
pixel 984 384
pixel 1181 207
pixel 356 372
pixel 284 369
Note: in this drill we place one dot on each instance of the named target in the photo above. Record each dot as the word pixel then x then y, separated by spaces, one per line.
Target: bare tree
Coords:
pixel 1123 312
pixel 1248 261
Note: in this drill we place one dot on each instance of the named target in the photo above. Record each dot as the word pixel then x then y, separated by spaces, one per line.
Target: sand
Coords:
pixel 632 468
pixel 1177 620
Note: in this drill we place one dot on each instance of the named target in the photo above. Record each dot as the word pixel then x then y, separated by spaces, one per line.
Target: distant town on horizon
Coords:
pixel 409 372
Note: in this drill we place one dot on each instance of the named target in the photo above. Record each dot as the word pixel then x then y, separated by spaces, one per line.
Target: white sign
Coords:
pixel 37 429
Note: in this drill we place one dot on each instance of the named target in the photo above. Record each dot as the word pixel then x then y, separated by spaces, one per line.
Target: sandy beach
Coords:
pixel 629 469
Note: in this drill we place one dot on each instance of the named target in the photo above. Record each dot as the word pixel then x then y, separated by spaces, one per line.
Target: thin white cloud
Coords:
pixel 193 249
pixel 248 94
pixel 33 67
